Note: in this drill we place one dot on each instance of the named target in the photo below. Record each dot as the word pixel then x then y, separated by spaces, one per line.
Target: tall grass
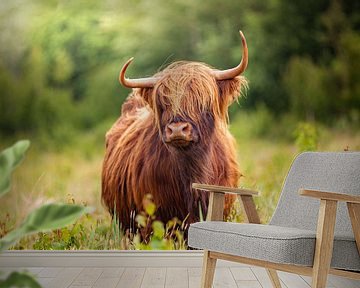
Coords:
pixel 71 173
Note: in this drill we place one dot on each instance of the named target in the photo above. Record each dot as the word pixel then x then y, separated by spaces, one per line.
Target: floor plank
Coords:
pixel 170 277
pixel 108 282
pixel 224 278
pixel 248 284
pixel 64 278
pixel 44 282
pixel 263 278
pixel 154 278
pixel 177 278
pixel 87 277
pixel 340 282
pixel 240 273
pixel 132 278
pixel 308 280
pixel 293 280
pixel 112 272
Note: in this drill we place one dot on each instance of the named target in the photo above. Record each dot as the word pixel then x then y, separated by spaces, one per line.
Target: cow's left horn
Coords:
pixel 135 83
pixel 233 72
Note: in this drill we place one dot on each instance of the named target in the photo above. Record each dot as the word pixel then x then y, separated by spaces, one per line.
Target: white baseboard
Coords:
pixel 106 258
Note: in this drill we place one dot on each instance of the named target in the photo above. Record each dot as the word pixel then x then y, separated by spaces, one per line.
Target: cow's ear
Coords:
pixel 230 90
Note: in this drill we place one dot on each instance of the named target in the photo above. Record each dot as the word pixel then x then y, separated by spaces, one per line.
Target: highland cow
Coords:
pixel 173 131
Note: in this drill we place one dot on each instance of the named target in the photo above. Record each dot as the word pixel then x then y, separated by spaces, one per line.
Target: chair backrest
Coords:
pixel 326 171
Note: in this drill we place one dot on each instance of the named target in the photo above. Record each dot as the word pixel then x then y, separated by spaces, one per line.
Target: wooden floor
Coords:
pixel 140 269
pixel 169 277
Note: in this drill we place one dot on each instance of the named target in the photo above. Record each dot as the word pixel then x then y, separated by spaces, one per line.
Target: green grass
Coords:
pixel 71 173
pixel 266 148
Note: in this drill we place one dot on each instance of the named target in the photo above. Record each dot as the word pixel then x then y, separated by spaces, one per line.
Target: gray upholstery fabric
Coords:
pixel 324 171
pixel 290 236
pixel 270 243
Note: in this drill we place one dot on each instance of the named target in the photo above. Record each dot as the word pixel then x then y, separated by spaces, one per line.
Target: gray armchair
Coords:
pixel 315 229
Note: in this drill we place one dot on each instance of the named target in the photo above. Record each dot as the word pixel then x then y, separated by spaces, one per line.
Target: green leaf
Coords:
pixel 150 208
pixel 158 229
pixel 54 216
pixel 17 279
pixel 9 159
pixel 149 205
pixel 45 218
pixel 141 220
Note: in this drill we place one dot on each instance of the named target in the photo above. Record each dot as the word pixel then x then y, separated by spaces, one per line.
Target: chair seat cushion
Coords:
pixel 270 243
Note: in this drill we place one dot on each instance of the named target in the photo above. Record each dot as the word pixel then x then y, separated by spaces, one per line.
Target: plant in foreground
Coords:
pixel 152 234
pixel 46 218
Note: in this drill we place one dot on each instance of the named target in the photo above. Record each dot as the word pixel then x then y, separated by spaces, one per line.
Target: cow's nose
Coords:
pixel 178 131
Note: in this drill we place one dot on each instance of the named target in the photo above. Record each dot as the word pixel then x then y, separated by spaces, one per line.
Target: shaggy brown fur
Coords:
pixel 138 162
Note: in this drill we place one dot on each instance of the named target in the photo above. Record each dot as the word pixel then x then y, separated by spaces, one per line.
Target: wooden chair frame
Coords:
pixel 324 235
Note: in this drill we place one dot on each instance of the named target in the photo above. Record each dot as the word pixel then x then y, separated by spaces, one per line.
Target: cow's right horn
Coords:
pixel 233 72
pixel 135 83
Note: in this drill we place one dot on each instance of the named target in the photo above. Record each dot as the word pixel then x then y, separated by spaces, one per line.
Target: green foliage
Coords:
pixel 59 75
pixel 54 93
pixel 9 159
pixel 305 83
pixel 152 234
pixel 304 60
pixel 47 217
pixel 17 279
pixel 306 137
pixel 320 88
pixel 270 182
pixel 101 233
pixel 90 232
pixel 257 123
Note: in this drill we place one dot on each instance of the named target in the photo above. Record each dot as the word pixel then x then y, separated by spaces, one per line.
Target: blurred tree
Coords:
pixel 342 67
pixel 327 86
pixel 60 71
pixel 304 82
pixel 74 43
pixel 287 28
pixel 9 117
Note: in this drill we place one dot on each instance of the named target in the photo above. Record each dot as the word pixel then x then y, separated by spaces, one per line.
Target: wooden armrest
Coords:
pixel 330 196
pixel 216 201
pixel 223 189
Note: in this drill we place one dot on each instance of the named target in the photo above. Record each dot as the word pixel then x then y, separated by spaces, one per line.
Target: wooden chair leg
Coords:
pixel 250 209
pixel 208 270
pixel 274 278
pixel 354 212
pixel 324 243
